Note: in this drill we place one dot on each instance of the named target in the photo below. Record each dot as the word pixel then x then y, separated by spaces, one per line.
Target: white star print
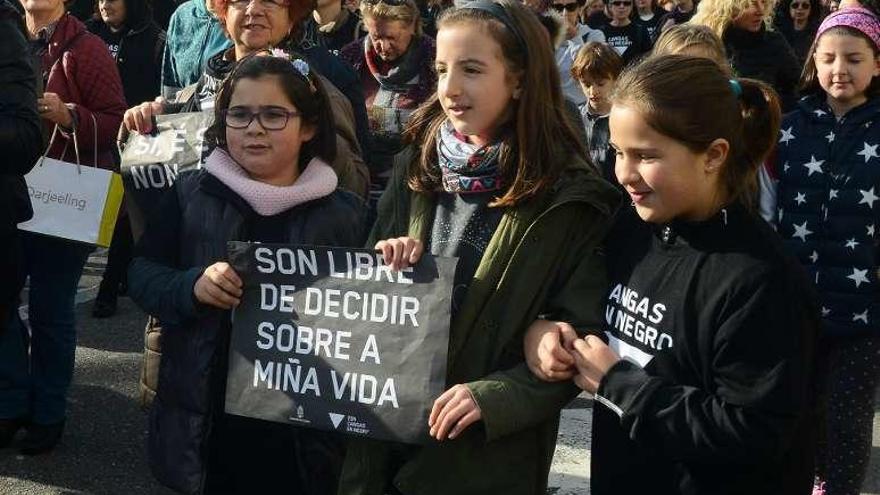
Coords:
pixel 786 135
pixel 868 197
pixel 852 243
pixel 859 277
pixel 819 112
pixel 814 257
pixel 861 316
pixel 832 194
pixel 801 198
pixel 802 231
pixel 814 165
pixel 871 230
pixel 830 137
pixel 869 151
pixel 825 311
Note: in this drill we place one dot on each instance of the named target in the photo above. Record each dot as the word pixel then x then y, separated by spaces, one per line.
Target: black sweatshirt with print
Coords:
pixel 715 393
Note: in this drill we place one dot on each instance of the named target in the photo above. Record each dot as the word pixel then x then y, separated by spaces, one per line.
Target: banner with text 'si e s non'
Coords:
pixel 332 339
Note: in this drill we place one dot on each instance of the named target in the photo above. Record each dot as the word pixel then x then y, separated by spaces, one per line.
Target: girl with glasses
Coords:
pixel 267 180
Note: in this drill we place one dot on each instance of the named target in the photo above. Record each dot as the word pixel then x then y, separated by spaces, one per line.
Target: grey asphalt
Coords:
pixel 102 451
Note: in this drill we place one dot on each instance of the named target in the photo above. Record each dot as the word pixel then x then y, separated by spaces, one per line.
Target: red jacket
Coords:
pixel 83 73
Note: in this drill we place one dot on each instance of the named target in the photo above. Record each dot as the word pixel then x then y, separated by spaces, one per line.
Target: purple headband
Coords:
pixel 858 18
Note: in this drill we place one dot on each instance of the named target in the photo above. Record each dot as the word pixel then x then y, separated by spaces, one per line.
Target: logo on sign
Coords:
pixel 336 419
pixel 300 416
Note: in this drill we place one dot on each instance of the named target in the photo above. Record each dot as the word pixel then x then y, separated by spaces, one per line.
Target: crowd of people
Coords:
pixel 669 205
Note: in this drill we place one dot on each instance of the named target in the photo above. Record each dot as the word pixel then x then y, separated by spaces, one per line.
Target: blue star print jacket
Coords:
pixel 828 199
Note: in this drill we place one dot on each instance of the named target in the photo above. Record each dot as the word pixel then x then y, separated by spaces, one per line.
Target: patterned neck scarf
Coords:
pixel 467 168
pixel 400 74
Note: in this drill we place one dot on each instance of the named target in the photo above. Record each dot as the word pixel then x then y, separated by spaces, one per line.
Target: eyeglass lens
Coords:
pixel 272 119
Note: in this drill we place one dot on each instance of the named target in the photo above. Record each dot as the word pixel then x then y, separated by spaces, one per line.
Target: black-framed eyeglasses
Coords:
pixel 571 7
pixel 618 3
pixel 271 118
pixel 800 5
pixel 265 4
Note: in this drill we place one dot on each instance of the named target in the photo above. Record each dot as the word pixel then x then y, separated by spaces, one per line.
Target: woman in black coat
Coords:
pixel 136 43
pixel 21 141
pixel 798 21
pixel 754 50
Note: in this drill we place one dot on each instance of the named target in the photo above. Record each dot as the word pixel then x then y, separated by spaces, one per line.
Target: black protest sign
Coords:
pixel 331 338
pixel 152 162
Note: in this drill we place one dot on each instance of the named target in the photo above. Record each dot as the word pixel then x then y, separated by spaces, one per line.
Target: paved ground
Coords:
pixel 103 448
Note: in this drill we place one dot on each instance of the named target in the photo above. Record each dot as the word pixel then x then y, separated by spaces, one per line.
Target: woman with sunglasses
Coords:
pixel 798 21
pixel 575 35
pixel 267 180
pixel 395 66
pixel 621 33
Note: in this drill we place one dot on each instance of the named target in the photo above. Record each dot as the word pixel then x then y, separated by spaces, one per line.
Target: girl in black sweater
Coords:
pixel 703 375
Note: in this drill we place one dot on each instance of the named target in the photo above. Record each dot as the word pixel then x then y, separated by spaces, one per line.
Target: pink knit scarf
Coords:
pixel 315 181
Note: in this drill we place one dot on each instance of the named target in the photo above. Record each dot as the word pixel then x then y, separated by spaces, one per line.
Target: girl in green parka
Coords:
pixel 496 177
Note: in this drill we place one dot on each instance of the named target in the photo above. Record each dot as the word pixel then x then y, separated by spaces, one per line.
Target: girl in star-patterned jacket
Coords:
pixel 827 209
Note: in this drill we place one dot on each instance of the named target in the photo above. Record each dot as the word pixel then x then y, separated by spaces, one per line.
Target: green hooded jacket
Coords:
pixel 544 258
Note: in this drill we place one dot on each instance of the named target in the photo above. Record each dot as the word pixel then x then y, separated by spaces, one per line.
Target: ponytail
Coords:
pixel 761 116
pixel 692 100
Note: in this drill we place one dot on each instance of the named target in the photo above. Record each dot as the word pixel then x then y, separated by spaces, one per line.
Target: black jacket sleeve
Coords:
pixel 752 401
pixel 156 282
pixel 20 133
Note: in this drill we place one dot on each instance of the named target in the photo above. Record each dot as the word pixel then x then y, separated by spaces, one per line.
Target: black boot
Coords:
pixel 104 308
pixel 41 438
pixel 8 429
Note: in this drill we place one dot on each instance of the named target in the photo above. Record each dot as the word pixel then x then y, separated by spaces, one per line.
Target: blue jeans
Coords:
pixel 36 385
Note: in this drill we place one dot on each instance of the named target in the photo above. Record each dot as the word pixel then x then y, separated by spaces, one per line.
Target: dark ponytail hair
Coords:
pixel 693 101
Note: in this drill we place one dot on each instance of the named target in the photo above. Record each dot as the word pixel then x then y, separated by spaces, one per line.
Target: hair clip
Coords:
pixel 302 67
pixel 299 64
pixel 736 87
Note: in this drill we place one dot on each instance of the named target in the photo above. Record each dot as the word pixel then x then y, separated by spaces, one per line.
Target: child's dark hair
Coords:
pixel 596 60
pixel 809 83
pixel 306 92
pixel 691 100
pixel 539 141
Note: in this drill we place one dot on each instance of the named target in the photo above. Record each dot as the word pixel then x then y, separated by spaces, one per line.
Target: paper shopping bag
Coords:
pixel 73 202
